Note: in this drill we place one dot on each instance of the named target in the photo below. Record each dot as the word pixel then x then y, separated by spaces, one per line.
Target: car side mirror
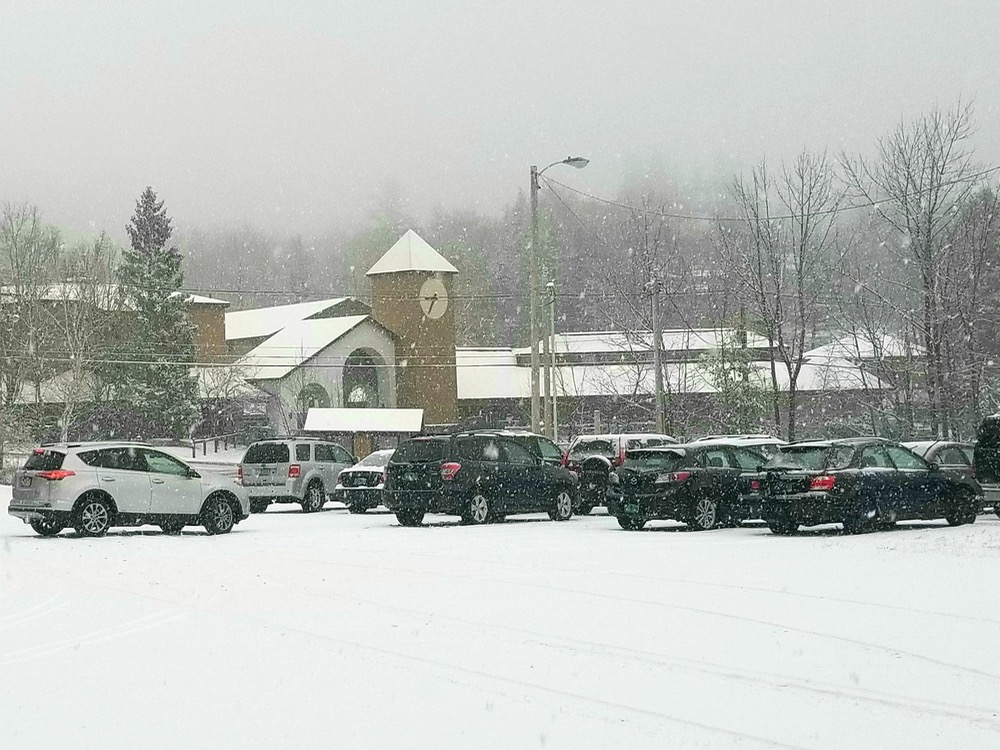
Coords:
pixel 934 466
pixel 354 459
pixel 192 474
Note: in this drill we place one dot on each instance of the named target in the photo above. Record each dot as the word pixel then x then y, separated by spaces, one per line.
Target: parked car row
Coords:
pixel 483 476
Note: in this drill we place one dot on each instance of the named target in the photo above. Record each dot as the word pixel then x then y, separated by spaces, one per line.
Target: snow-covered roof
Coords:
pixel 604 342
pixel 263 321
pixel 198 299
pixel 105 296
pixel 411 253
pixel 293 345
pixel 494 373
pixel 364 420
pixel 865 346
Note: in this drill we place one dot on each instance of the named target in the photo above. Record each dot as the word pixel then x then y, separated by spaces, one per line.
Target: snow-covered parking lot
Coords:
pixel 332 630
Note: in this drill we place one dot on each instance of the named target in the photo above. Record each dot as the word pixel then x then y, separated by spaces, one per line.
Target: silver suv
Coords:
pixel 94 486
pixel 292 470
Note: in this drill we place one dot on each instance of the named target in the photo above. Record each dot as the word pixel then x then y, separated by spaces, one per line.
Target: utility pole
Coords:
pixel 547 379
pixel 577 162
pixel 654 287
pixel 533 298
pixel 553 409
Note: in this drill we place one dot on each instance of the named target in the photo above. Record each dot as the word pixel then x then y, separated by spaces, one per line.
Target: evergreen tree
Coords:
pixel 153 375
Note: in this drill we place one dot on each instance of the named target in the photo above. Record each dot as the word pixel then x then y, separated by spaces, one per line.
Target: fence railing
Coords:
pixel 227 441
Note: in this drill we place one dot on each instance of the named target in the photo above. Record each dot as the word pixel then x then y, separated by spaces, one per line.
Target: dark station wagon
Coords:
pixel 862 483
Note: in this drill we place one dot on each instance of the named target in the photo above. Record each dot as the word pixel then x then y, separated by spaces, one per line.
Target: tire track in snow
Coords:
pixel 50 605
pixel 890 650
pixel 983 716
pixel 137 625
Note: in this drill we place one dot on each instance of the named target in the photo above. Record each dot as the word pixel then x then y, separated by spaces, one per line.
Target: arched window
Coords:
pixel 361 380
pixel 313 396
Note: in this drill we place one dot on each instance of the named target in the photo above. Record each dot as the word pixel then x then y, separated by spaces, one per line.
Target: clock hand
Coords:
pixel 433 300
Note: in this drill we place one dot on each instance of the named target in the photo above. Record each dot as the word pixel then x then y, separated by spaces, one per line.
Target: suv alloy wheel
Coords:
pixel 704 514
pixel 217 517
pixel 315 497
pixel 93 518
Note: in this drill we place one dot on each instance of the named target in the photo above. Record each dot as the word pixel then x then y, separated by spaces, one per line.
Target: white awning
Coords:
pixel 364 420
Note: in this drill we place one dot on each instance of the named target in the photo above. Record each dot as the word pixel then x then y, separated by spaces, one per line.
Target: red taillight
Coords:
pixel 294 471
pixel 565 460
pixel 55 474
pixel 822 484
pixel 449 470
pixel 621 457
pixel 239 474
pixel 680 476
pixel 754 484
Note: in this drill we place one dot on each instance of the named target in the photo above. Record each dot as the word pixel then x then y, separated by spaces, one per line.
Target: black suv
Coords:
pixel 482 476
pixel 705 485
pixel 862 483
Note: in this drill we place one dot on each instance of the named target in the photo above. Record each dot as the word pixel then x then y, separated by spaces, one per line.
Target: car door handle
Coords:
pixel 107 479
pixel 156 481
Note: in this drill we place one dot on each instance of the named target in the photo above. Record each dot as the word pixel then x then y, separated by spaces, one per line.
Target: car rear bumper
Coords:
pixel 807 509
pixel 358 496
pixel 649 506
pixel 428 502
pixel 29 513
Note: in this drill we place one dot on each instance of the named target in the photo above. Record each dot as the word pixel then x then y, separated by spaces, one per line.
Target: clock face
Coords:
pixel 433 298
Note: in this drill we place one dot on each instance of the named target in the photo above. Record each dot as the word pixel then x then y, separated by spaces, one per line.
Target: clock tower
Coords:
pixel 411 296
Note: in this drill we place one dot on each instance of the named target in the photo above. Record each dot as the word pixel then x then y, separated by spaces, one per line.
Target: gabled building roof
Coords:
pixel 294 345
pixel 411 253
pixel 263 321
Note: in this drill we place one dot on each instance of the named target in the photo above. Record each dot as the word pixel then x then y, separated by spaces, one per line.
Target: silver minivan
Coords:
pixel 292 470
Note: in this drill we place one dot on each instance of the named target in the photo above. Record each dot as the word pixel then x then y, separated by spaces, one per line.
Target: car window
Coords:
pixel 874 456
pixel 378 458
pixel 477 448
pixel 419 450
pixel 812 457
pixel 161 463
pixel 266 453
pixel 518 454
pixel 303 452
pixel 904 459
pixel 591 447
pixel 44 460
pixel 549 450
pixel 126 459
pixel 748 460
pixel 324 452
pixel 658 460
pixel 968 452
pixel 340 455
pixel 952 456
pixel 716 458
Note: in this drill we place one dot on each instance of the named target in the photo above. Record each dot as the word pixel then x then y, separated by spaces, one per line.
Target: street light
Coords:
pixel 577 162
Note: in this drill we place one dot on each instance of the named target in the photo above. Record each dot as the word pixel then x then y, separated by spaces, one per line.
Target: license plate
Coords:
pixel 25 481
pixel 632 508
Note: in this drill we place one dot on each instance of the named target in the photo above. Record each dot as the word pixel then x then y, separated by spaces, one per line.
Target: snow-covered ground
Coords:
pixel 332 630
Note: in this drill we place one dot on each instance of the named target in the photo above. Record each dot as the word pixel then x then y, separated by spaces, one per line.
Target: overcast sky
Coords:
pixel 294 115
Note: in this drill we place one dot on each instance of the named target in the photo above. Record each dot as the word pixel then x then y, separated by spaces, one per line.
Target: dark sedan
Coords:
pixel 862 483
pixel 704 485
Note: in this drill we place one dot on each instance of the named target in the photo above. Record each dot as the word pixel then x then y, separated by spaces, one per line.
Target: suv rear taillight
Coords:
pixel 565 460
pixel 822 484
pixel 294 471
pixel 55 475
pixel 385 475
pixel 239 474
pixel 449 470
pixel 675 476
pixel 621 456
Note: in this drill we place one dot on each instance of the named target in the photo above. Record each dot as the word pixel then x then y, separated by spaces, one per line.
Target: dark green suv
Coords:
pixel 482 476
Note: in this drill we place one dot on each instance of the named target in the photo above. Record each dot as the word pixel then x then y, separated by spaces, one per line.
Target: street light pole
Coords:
pixel 654 288
pixel 553 411
pixel 577 162
pixel 533 297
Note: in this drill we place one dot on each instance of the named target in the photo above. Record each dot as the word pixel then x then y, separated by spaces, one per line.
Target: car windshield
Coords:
pixel 811 457
pixel 378 458
pixel 598 447
pixel 266 453
pixel 421 450
pixel 661 460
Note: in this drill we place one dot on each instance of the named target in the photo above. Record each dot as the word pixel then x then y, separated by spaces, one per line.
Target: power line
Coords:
pixel 825 212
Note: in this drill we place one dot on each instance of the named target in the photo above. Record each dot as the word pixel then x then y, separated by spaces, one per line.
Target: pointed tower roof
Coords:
pixel 411 253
